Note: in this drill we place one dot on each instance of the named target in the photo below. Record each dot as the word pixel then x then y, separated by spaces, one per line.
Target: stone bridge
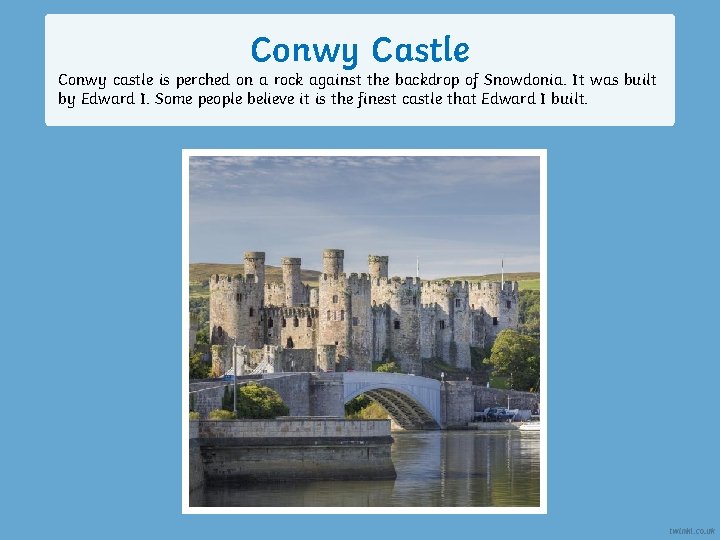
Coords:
pixel 413 402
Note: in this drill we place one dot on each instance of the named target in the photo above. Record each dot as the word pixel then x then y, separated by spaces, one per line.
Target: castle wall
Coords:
pixel 224 312
pixel 380 347
pixel 235 304
pixel 360 342
pixel 430 315
pixel 254 358
pixel 447 322
pixel 250 305
pixel 482 328
pixel 403 330
pixel 297 360
pixel 500 302
pixel 326 357
pixel 274 294
pixel 221 358
pixel 314 297
pixel 334 308
pixel 291 327
pixel 367 317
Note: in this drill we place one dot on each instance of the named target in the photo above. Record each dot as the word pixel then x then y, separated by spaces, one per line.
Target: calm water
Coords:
pixel 434 468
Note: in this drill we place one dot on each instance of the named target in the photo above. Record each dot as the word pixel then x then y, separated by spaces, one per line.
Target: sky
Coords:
pixel 459 215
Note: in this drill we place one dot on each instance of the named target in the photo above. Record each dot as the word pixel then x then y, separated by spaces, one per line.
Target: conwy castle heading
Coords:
pixel 350 320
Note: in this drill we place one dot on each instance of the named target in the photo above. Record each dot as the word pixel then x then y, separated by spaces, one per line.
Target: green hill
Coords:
pixel 200 272
pixel 526 280
pixel 200 275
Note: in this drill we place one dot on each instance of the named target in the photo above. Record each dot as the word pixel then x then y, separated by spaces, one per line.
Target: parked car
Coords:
pixel 498 414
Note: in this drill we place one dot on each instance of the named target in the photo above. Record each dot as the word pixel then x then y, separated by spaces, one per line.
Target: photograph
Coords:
pixel 364 330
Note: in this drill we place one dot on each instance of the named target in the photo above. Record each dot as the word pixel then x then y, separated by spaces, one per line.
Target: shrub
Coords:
pixel 256 402
pixel 356 404
pixel 198 368
pixel 373 411
pixel 388 367
pixel 221 414
pixel 194 415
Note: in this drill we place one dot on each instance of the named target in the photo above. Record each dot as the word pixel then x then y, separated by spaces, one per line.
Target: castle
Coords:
pixel 350 320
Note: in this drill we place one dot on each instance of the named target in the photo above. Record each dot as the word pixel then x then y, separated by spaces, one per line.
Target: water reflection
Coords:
pixel 450 468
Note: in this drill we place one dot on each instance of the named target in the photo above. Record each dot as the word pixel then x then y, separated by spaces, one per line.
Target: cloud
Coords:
pixel 465 210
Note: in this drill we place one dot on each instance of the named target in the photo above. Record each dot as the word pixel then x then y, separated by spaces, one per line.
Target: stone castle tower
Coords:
pixel 352 320
pixel 344 307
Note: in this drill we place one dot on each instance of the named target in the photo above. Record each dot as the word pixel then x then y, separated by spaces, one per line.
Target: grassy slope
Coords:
pixel 200 272
pixel 526 280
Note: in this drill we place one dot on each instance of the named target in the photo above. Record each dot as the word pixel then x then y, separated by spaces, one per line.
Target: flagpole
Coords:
pixel 417 268
pixel 502 273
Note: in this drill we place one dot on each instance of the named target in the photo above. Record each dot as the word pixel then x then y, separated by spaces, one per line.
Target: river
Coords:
pixel 434 468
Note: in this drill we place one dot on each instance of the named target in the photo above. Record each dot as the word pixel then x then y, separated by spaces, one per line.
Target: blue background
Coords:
pixel 91 356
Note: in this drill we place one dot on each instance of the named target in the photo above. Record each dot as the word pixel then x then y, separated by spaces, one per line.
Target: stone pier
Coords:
pixel 289 449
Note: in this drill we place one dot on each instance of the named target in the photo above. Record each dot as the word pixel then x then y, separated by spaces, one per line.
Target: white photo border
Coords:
pixel 187 154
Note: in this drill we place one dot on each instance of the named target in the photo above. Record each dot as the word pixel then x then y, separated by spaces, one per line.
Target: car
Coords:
pixel 498 414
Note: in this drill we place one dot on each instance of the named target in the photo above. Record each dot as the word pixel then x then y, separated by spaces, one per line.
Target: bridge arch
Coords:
pixel 413 402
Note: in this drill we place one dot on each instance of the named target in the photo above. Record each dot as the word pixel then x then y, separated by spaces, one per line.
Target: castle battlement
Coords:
pixel 255 255
pixel 289 312
pixel 445 286
pixel 343 277
pixel 495 286
pixel 359 278
pixel 275 286
pixel 396 281
pixel 219 281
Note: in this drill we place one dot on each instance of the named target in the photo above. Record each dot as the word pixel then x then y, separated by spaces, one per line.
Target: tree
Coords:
pixel 529 313
pixel 203 335
pixel 255 402
pixel 198 368
pixel 517 356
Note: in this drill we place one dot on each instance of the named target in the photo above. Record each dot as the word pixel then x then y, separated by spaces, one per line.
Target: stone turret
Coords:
pixel 499 300
pixel 255 265
pixel 378 266
pixel 333 262
pixel 344 312
pixel 235 310
pixel 291 281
